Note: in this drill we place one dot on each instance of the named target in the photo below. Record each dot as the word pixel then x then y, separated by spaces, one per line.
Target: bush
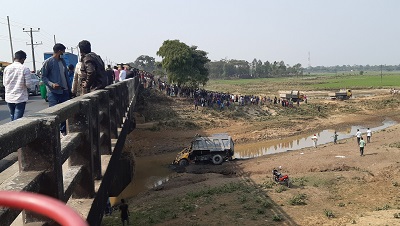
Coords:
pixel 298 200
pixel 276 218
pixel 329 213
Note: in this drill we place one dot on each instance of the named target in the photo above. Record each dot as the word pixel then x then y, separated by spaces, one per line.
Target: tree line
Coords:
pixel 226 69
pixel 355 67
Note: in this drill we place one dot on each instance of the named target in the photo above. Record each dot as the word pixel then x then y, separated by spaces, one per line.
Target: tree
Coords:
pixel 229 70
pixel 267 68
pixel 146 63
pixel 216 68
pixel 184 64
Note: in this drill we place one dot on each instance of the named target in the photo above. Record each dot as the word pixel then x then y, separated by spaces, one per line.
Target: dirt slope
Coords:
pixel 331 184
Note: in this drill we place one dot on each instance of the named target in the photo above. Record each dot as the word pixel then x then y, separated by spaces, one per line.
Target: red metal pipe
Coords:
pixel 42 204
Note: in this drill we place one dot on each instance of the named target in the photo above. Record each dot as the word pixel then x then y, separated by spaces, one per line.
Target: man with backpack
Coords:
pixel 92 68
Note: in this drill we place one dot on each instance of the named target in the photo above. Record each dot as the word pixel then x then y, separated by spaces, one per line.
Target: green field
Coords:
pixel 370 80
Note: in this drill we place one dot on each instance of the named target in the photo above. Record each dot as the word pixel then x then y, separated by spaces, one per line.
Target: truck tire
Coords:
pixel 183 162
pixel 217 159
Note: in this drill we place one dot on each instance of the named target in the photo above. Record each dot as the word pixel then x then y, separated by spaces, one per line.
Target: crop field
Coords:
pixel 328 81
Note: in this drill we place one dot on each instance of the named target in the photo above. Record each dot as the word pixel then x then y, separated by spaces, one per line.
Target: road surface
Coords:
pixel 34 104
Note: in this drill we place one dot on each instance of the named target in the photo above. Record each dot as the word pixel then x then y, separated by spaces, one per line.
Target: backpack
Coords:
pixel 101 80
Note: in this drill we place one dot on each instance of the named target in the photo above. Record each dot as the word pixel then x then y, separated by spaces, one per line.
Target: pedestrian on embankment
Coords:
pixel 369 134
pixel 335 136
pixel 358 136
pixel 362 145
pixel 315 140
pixel 123 208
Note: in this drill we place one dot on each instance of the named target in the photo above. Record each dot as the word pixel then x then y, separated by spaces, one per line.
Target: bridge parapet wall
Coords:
pixel 34 158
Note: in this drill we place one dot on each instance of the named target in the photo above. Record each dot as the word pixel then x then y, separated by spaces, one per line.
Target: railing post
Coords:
pixel 82 122
pixel 95 129
pixel 119 104
pixel 105 130
pixel 44 154
pixel 113 111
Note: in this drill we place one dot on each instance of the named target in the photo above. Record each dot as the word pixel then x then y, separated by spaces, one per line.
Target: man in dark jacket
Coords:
pixel 92 68
pixel 110 75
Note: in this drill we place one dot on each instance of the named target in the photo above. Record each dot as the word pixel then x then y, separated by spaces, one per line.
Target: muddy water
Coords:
pixel 150 172
pixel 153 171
pixel 252 150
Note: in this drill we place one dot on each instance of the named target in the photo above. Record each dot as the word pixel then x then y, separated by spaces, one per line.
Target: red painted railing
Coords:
pixel 44 205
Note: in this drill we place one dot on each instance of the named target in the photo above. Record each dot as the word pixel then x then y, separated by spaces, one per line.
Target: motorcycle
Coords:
pixel 279 178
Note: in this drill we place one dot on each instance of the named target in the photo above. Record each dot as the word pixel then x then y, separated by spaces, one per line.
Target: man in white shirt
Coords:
pixel 315 140
pixel 369 134
pixel 358 135
pixel 122 73
pixel 16 80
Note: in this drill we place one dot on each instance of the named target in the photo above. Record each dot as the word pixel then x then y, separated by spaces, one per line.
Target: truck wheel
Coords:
pixel 217 159
pixel 183 162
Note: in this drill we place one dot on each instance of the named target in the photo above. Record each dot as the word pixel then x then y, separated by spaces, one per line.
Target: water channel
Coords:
pixel 153 171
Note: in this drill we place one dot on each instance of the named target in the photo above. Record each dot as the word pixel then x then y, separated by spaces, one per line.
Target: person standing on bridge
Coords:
pixel 92 68
pixel 16 80
pixel 54 76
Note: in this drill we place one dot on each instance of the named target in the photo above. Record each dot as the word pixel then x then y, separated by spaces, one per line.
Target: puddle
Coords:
pixel 253 150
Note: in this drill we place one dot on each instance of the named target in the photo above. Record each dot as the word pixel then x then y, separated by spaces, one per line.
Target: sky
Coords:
pixel 315 32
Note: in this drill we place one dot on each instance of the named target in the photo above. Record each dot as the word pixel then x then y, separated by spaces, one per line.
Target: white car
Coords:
pixel 35 87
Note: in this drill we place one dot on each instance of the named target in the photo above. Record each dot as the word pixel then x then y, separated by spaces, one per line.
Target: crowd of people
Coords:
pixel 63 82
pixel 220 100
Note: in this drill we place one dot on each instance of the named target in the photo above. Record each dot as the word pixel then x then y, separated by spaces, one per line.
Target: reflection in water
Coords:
pixel 244 151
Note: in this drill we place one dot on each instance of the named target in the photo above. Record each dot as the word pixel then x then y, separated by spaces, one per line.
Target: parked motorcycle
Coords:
pixel 281 179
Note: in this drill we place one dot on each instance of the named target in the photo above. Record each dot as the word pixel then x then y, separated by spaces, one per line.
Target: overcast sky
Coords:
pixel 334 32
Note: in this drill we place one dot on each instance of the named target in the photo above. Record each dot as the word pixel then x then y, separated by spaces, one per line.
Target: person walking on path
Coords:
pixel 358 135
pixel 335 136
pixel 123 208
pixel 54 76
pixel 315 140
pixel 362 145
pixel 16 80
pixel 369 134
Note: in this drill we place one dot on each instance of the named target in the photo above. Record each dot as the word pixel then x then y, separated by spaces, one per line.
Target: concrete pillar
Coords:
pixel 82 122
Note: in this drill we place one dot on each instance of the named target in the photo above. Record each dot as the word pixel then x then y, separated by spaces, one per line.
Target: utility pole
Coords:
pixel 33 45
pixel 11 45
pixel 381 73
pixel 72 49
pixel 54 37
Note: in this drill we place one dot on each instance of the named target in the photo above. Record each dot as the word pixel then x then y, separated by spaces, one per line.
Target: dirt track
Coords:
pixel 333 180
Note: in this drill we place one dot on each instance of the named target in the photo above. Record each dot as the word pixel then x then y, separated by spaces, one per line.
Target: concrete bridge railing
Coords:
pixel 83 168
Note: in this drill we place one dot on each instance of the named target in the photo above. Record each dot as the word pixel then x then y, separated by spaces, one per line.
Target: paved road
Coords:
pixel 34 104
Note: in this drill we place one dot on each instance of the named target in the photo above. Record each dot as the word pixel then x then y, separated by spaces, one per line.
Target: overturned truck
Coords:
pixel 216 149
